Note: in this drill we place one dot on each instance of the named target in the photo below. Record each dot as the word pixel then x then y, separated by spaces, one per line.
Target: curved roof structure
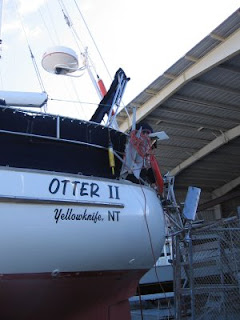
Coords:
pixel 197 103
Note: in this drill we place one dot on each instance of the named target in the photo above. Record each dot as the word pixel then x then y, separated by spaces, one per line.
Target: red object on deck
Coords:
pixel 102 87
pixel 157 173
pixel 90 295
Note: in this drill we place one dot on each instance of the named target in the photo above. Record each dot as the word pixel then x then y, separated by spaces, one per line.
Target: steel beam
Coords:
pixel 226 188
pixel 210 147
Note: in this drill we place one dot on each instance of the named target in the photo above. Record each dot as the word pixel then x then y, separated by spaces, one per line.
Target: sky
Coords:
pixel 143 37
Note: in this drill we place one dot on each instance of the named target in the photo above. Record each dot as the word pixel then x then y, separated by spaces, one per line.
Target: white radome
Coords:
pixel 60 60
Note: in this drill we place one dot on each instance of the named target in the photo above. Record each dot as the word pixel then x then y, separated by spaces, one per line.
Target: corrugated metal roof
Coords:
pixel 230 25
pixel 203 47
pixel 197 113
pixel 178 67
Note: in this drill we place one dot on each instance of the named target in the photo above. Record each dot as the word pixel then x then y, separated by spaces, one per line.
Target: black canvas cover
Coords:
pixel 30 141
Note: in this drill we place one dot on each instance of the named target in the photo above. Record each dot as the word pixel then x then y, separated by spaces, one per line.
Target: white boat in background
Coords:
pixel 162 271
pixel 81 220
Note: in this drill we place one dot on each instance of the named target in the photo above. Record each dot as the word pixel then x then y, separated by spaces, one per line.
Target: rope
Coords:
pixel 142 143
pixel 152 250
pixel 140 301
pixel 143 146
pixel 123 162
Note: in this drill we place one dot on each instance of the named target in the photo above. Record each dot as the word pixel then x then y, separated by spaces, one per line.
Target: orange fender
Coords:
pixel 157 173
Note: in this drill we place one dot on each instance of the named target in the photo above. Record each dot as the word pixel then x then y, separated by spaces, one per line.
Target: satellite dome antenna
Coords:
pixel 64 61
pixel 60 60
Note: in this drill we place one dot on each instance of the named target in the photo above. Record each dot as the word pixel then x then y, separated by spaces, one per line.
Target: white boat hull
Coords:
pixel 74 247
pixel 56 223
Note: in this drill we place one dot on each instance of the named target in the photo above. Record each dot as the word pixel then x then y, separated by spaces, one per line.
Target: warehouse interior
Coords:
pixel 197 103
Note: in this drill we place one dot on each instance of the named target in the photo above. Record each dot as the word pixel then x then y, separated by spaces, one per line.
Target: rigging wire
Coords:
pixel 36 69
pixel 83 50
pixel 30 50
pixel 94 42
pixel 47 29
pixel 100 55
pixel 73 101
pixel 69 23
pixel 52 22
pixel 76 93
pixel 78 43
